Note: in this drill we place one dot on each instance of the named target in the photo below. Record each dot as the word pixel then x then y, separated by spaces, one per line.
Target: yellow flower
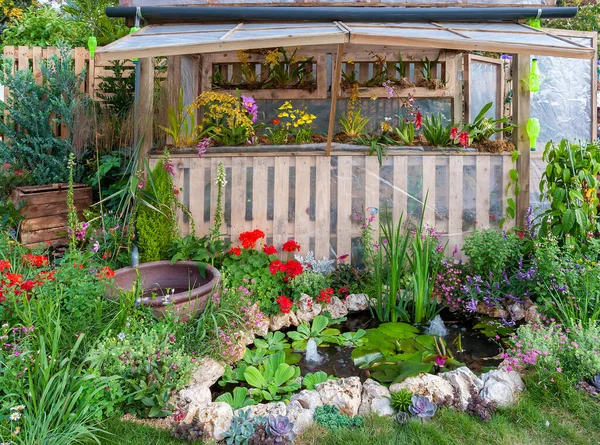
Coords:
pixel 284 114
pixel 287 105
pixel 373 97
pixel 272 58
pixel 351 62
pixel 385 126
pixel 293 116
pixel 243 56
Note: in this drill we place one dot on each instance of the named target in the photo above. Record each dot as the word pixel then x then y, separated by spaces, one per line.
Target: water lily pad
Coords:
pixel 427 341
pixel 396 373
pixel 365 358
pixel 398 330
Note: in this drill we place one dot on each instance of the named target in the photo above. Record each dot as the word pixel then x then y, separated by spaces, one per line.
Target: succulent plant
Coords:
pixel 190 432
pixel 421 407
pixel 402 417
pixel 241 429
pixel 329 416
pixel 595 381
pixel 401 400
pixel 280 429
pixel 259 437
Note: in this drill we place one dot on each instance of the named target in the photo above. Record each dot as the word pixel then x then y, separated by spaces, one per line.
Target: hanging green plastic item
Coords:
pixel 533 131
pixel 131 31
pixel 92 45
pixel 534 77
pixel 535 23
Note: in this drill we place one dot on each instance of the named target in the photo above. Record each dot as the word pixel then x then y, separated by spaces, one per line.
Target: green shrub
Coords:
pixel 330 417
pixel 490 251
pixel 309 283
pixel 156 226
pixel 401 400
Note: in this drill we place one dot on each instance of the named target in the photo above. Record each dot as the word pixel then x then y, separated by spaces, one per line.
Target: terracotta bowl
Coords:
pixel 166 287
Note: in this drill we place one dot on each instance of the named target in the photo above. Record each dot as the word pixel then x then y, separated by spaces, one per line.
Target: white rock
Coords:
pixel 375 399
pixel 501 387
pixel 343 393
pixel 264 409
pixel 307 309
pixel 216 419
pixel 300 417
pixel 462 379
pixel 308 399
pixel 196 397
pixel 517 312
pixel 429 385
pixel 336 308
pixel 357 302
pixel 260 327
pixel 208 372
pixel 280 321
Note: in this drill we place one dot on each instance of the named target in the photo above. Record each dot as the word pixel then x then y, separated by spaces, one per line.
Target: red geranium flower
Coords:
pixel 2 297
pixel 343 291
pixel 275 121
pixel 46 275
pixel 235 251
pixel 293 268
pixel 106 272
pixel 14 278
pixel 28 285
pixel 269 250
pixel 276 266
pixel 325 295
pixel 249 239
pixel 35 260
pixel 285 304
pixel 4 265
pixel 291 246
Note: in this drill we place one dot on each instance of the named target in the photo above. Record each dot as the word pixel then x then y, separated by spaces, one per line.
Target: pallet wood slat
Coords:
pixel 322 207
pixel 455 201
pixel 281 190
pixel 302 223
pixel 429 177
pixel 482 210
pixel 344 203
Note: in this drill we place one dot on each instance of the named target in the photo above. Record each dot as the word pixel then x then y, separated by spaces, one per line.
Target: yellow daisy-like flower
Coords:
pixel 284 114
pixel 385 126
pixel 243 56
pixel 373 97
pixel 351 62
pixel 15 416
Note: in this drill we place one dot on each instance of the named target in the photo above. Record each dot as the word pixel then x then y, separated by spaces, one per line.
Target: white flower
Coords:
pixel 18 408
pixel 547 423
pixel 121 336
pixel 15 416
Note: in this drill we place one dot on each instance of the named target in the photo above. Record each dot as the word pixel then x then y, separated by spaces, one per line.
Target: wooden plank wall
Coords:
pixel 314 199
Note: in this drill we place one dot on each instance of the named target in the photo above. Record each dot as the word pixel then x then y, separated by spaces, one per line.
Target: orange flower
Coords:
pixel 106 272
pixel 4 265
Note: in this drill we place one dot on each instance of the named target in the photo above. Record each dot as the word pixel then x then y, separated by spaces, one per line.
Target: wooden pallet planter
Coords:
pixel 45 211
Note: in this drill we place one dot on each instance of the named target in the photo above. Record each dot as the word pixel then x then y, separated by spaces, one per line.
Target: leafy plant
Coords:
pixel 401 400
pixel 182 125
pixel 330 417
pixel 190 432
pixel 570 184
pixel 117 90
pixel 421 407
pixel 315 331
pixel 354 339
pixel 491 252
pixel 436 132
pixel 311 380
pixel 205 250
pixel 288 71
pixel 238 400
pixel 272 380
pixel 377 144
pixel 241 429
pixel 427 68
pixel 274 341
pixel 405 131
pixel 483 128
pixel 309 283
pixel 296 122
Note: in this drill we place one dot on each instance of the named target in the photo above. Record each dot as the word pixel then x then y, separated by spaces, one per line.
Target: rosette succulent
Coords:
pixel 421 407
pixel 280 429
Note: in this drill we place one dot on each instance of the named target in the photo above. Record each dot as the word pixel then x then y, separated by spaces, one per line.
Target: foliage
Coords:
pixel 587 18
pixel 156 225
pixel 352 123
pixel 401 400
pixel 190 432
pixel 350 278
pixel 92 14
pixel 421 407
pixel 117 90
pixel 570 184
pixel 241 429
pixel 409 123
pixel 192 248
pixel 317 331
pixel 32 111
pixel 12 177
pixel 483 128
pixel 273 341
pixel 479 406
pixel 311 380
pixel 329 416
pixel 288 71
pixel 239 398
pixel 491 252
pixel 182 125
pixel 309 283
pixel 377 144
pixel 273 379
pixel 436 132
pixel 324 266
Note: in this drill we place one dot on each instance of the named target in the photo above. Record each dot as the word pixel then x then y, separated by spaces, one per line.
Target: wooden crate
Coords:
pixel 45 211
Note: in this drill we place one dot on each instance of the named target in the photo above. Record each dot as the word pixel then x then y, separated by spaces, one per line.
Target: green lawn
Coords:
pixel 574 418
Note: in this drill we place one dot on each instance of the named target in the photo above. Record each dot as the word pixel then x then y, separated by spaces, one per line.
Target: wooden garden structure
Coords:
pixel 312 193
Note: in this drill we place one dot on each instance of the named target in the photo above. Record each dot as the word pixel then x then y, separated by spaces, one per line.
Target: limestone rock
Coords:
pixel 280 321
pixel 357 302
pixel 531 314
pixel 517 312
pixel 494 312
pixel 308 399
pixel 208 372
pixel 264 409
pixel 336 308
pixel 429 385
pixel 343 393
pixel 307 309
pixel 462 380
pixel 196 397
pixel 260 325
pixel 216 419
pixel 246 338
pixel 300 417
pixel 501 387
pixel 375 399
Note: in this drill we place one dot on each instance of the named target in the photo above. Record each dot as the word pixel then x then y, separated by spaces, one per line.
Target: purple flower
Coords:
pixel 440 361
pixel 169 167
pixel 96 246
pixel 250 105
pixel 391 92
pixel 455 251
pixel 203 146
pixel 472 306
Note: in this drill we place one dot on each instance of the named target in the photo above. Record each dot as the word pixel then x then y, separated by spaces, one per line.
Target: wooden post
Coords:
pixel 335 91
pixel 521 107
pixel 453 64
pixel 144 110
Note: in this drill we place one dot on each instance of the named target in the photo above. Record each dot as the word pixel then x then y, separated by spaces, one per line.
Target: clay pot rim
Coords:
pixel 180 297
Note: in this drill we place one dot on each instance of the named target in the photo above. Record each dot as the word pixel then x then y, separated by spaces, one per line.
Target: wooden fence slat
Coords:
pixel 178 183
pixel 23 58
pixel 322 207
pixel 400 192
pixel 372 188
pixel 455 201
pixel 37 58
pixel 429 174
pixel 482 207
pixel 214 162
pixel 302 223
pixel 259 195
pixel 507 166
pixel 281 191
pixel 197 182
pixel 238 197
pixel 344 206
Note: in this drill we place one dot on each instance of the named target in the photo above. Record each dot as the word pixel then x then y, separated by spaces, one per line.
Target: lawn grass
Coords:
pixel 574 418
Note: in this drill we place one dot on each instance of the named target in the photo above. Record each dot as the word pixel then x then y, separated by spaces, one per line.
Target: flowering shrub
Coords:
pixel 294 122
pixel 289 269
pixel 490 251
pixel 449 285
pixel 249 239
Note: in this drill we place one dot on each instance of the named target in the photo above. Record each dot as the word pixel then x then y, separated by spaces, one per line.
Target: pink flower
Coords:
pixel 558 369
pixel 440 361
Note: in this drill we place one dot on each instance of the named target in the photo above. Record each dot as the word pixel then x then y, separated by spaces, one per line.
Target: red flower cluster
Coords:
pixel 4 265
pixel 343 292
pixel 291 246
pixel 249 239
pixel 35 260
pixel 285 304
pixel 235 251
pixel 269 250
pixel 291 269
pixel 105 272
pixel 325 296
